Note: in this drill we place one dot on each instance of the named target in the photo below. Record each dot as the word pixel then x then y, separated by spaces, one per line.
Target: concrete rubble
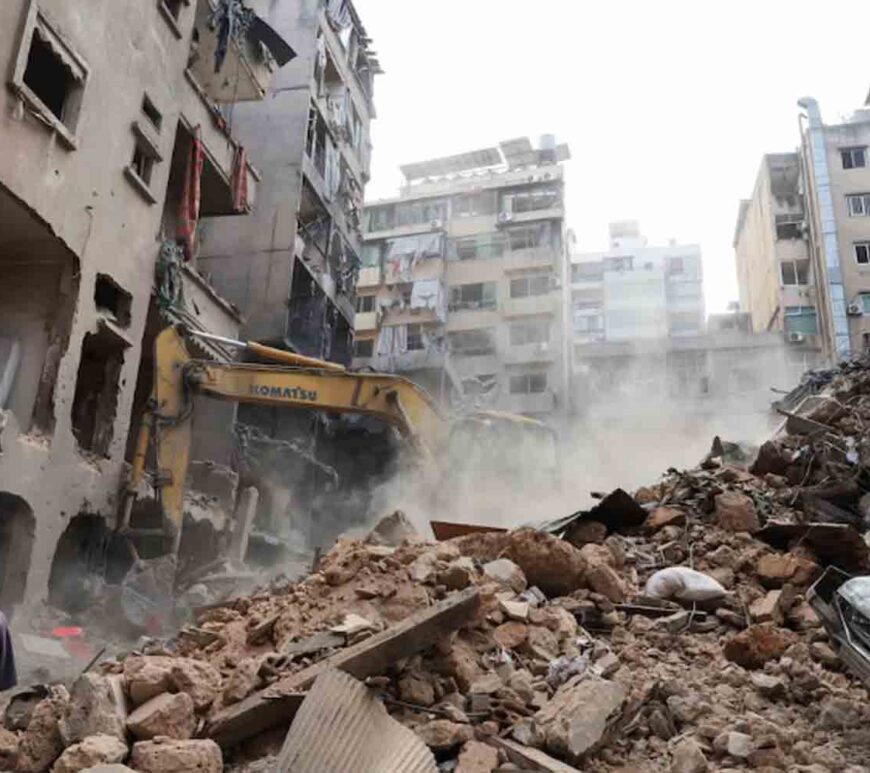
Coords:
pixel 532 649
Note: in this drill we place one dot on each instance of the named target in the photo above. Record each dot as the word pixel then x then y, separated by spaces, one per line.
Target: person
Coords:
pixel 8 675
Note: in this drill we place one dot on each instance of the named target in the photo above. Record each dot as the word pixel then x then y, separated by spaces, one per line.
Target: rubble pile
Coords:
pixel 664 631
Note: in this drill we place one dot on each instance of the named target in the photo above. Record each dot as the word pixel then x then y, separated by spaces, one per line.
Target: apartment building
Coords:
pixel 292 266
pixel 460 281
pixel 114 149
pixel 802 241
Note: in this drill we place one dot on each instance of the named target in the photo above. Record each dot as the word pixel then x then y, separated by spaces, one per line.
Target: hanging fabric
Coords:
pixel 188 215
pixel 240 180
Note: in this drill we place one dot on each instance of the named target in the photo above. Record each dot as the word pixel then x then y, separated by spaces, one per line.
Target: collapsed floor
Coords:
pixel 534 649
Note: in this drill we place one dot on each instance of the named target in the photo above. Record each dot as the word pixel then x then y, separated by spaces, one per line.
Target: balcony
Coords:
pixel 512 218
pixel 249 63
pixel 529 353
pixel 533 304
pixel 406 230
pixel 543 402
pixel 369 276
pixel 415 360
pixel 365 321
pixel 534 257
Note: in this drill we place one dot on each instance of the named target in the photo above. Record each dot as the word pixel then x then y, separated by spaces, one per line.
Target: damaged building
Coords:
pixel 118 146
pixel 459 288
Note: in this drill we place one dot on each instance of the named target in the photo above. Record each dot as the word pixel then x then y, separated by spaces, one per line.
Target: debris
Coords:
pixel 391 530
pixel 734 744
pixel 97 706
pixel 832 543
pixel 823 653
pixel 756 645
pixel 477 757
pixel 579 716
pixel 342 728
pixel 277 702
pixel 736 512
pixel 683 583
pixel 41 743
pixel 169 755
pixel 688 757
pixel 527 758
pixel 93 750
pixel 352 625
pixel 665 516
pixel 169 714
pixel 506 572
pixel 443 735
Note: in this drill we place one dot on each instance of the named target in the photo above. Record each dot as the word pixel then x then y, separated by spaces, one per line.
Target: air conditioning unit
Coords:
pixel 796 338
pixel 505 217
pixel 436 225
pixel 855 310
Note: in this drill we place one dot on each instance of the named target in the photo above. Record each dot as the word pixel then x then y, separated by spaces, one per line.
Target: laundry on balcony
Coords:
pixel 403 252
pixel 392 341
pixel 429 294
pixel 188 214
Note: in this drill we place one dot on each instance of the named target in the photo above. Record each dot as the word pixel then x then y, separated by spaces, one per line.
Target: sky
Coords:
pixel 667 105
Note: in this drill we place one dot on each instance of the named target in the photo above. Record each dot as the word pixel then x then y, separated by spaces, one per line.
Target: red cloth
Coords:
pixel 188 214
pixel 240 180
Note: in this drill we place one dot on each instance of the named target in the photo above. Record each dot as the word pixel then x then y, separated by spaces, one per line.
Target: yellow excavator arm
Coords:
pixel 301 383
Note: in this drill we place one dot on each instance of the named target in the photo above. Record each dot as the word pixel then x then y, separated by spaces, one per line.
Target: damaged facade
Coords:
pixel 115 149
pixel 802 241
pixel 459 288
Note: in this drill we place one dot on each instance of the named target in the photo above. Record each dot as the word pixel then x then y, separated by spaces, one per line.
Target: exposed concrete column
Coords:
pixel 243 518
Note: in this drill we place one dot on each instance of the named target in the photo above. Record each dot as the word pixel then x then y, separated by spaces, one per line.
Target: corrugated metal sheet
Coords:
pixel 342 727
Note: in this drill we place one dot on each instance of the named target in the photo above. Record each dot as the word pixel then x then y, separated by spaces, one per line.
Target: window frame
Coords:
pixel 865 246
pixel 538 378
pixel 415 334
pixel 67 128
pixel 862 149
pixel 361 303
pixel 864 198
pixel 456 301
pixel 370 342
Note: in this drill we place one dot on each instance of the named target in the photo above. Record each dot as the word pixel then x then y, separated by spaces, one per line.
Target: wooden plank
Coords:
pixel 279 702
pixel 528 758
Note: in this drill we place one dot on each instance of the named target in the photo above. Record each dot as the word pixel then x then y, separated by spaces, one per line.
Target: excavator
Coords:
pixel 517 452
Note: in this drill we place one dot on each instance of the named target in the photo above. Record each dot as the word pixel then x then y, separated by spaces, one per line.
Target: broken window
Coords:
pixel 145 155
pixel 364 348
pixel 51 77
pixel 525 286
pixel 794 272
pixel 481 295
pixel 365 303
pixel 862 253
pixel 96 395
pixel 472 342
pixel 416 341
pixel 854 158
pixel 789 226
pixel 522 334
pixel 110 298
pixel 528 383
pixel 801 319
pixel 859 204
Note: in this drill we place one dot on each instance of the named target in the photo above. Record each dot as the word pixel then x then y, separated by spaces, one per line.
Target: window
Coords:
pixel 525 286
pixel 865 303
pixel 472 342
pixel 859 204
pixel 371 255
pixel 529 237
pixel 481 295
pixel 528 384
pixel 794 272
pixel 862 253
pixel 382 218
pixel 587 272
pixel 174 7
pixel 111 298
pixel 620 263
pixel 530 200
pixel 145 155
pixel 801 319
pixel 419 212
pixel 477 247
pixel 151 112
pixel 854 158
pixel 365 303
pixel 50 77
pixel 789 226
pixel 415 338
pixel 474 204
pixel 588 323
pixel 529 333
pixel 364 348
pixel 675 266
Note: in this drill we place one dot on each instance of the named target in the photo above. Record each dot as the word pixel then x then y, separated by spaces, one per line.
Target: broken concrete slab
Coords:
pixel 391 530
pixel 736 512
pixel 97 707
pixel 169 755
pixel 477 757
pixel 580 716
pixel 506 572
pixel 442 735
pixel 756 645
pixel 528 758
pixel 169 714
pixel 688 757
pixel 147 676
pixel 342 727
pixel 279 701
pixel 91 751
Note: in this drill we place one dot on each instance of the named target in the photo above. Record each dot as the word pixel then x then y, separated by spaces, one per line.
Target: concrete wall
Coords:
pixel 85 207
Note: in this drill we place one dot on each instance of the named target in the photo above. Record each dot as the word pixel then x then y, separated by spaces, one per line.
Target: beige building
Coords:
pixel 460 284
pixel 105 121
pixel 802 241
